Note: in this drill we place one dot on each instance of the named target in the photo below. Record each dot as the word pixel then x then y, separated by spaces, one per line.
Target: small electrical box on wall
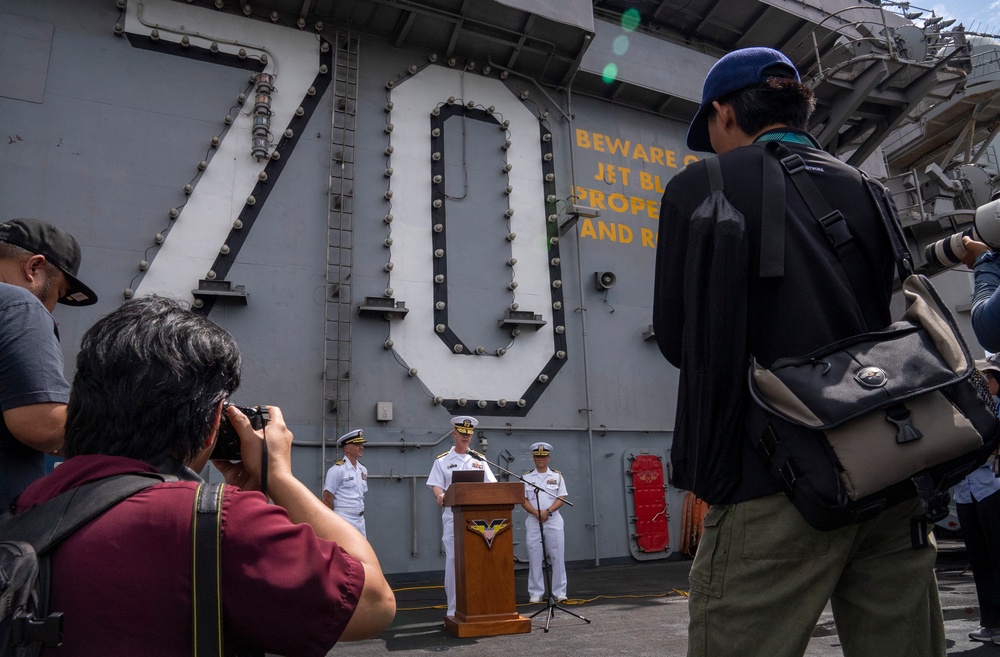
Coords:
pixel 383 411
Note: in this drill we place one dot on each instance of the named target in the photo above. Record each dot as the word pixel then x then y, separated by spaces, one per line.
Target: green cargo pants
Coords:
pixel 762 577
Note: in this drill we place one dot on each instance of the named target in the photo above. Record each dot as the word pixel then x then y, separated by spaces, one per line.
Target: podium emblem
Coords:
pixel 488 530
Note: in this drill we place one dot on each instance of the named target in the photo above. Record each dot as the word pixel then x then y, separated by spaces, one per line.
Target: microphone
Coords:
pixel 476 455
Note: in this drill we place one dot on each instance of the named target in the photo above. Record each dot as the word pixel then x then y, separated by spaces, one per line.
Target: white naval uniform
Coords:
pixel 440 476
pixel 348 485
pixel 553 485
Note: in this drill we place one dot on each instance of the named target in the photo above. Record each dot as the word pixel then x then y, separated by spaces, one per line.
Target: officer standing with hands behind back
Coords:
pixel 549 500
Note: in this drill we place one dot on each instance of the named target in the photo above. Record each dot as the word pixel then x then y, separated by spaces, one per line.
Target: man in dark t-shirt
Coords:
pixel 38 268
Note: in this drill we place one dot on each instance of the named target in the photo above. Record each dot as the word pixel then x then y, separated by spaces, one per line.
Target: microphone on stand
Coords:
pixel 476 455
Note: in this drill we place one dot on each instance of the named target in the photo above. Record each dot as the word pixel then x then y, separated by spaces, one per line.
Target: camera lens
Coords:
pixel 949 251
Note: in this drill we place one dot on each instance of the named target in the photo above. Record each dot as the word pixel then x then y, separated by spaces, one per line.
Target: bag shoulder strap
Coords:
pixel 714 169
pixel 206 535
pixel 47 524
pixel 890 220
pixel 772 238
pixel 833 222
pixel 772 218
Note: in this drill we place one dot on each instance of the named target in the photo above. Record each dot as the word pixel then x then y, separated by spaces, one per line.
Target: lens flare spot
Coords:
pixel 620 44
pixel 610 73
pixel 630 20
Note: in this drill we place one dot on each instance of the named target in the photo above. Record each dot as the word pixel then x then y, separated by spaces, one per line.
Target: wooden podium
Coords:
pixel 484 560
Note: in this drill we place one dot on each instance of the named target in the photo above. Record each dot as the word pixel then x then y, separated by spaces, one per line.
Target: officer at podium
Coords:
pixel 457 458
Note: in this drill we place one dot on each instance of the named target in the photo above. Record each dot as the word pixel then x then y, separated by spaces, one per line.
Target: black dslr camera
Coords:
pixel 227 445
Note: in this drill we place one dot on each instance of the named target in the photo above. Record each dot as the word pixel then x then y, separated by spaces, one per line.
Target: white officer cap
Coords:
pixel 540 449
pixel 356 437
pixel 464 424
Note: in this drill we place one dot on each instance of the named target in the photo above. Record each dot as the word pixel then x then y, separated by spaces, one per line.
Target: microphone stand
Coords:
pixel 550 601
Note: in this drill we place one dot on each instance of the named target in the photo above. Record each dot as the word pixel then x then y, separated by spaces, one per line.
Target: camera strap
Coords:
pixel 207 577
pixel 263 464
pixel 265 417
pixel 206 580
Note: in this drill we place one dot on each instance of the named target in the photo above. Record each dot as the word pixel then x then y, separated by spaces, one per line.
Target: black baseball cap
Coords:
pixel 58 247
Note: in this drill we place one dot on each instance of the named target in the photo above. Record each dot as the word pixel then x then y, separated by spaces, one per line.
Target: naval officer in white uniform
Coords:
pixel 549 499
pixel 457 458
pixel 347 481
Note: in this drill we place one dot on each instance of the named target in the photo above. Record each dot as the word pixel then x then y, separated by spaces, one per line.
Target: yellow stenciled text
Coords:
pixel 634 205
pixel 628 149
pixel 615 231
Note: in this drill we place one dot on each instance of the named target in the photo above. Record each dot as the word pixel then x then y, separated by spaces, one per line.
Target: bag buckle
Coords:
pixel 26 629
pixel 787 475
pixel 901 416
pixel 768 442
pixel 935 506
pixel 793 163
pixel 836 228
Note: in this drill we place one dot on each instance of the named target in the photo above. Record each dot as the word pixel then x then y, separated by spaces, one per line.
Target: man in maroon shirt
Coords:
pixel 151 383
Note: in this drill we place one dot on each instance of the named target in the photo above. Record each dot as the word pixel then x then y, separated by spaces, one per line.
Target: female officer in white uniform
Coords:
pixel 549 499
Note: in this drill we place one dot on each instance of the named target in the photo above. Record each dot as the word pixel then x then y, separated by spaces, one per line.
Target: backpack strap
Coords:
pixel 772 218
pixel 772 228
pixel 714 169
pixel 206 581
pixel 47 524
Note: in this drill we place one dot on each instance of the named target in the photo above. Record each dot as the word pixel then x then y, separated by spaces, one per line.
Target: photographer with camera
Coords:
pixel 982 260
pixel 149 396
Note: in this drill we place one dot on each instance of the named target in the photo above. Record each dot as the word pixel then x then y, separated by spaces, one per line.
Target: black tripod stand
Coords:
pixel 550 602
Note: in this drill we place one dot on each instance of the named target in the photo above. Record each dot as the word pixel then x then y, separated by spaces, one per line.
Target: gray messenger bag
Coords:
pixel 878 418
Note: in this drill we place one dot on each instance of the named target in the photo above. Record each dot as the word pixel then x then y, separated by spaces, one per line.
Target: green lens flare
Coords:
pixel 610 73
pixel 620 44
pixel 630 20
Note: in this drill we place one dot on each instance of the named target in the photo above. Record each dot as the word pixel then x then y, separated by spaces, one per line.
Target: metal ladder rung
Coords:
pixel 340 221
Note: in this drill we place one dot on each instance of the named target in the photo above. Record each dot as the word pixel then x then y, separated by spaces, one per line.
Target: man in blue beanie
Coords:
pixel 762 576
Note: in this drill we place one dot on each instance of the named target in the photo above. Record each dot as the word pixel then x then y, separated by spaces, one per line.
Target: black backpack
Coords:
pixel 26 624
pixel 711 393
